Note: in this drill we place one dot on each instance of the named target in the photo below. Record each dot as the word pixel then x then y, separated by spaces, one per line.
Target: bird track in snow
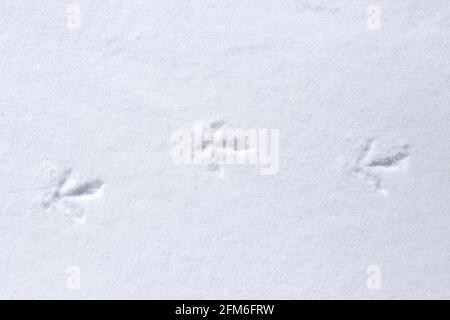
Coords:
pixel 217 145
pixel 374 162
pixel 69 193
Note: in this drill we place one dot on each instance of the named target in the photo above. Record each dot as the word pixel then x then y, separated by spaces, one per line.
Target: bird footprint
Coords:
pixel 215 146
pixel 375 162
pixel 69 193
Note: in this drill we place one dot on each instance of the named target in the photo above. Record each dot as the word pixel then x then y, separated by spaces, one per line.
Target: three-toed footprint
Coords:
pixel 69 194
pixel 375 161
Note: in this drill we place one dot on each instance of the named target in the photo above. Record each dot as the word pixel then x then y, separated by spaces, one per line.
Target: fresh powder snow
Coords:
pixel 236 149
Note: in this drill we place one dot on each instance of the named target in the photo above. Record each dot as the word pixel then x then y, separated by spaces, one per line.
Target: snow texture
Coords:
pixel 93 206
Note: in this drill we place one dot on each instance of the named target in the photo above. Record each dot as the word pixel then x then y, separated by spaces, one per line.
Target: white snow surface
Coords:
pixel 86 175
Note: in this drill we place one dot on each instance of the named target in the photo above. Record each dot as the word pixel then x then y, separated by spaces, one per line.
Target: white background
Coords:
pixel 102 101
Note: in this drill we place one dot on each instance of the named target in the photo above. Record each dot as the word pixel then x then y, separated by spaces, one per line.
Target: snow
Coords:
pixel 92 204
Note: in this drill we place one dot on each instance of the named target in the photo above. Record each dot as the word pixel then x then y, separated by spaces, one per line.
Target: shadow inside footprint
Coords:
pixel 388 161
pixel 85 189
